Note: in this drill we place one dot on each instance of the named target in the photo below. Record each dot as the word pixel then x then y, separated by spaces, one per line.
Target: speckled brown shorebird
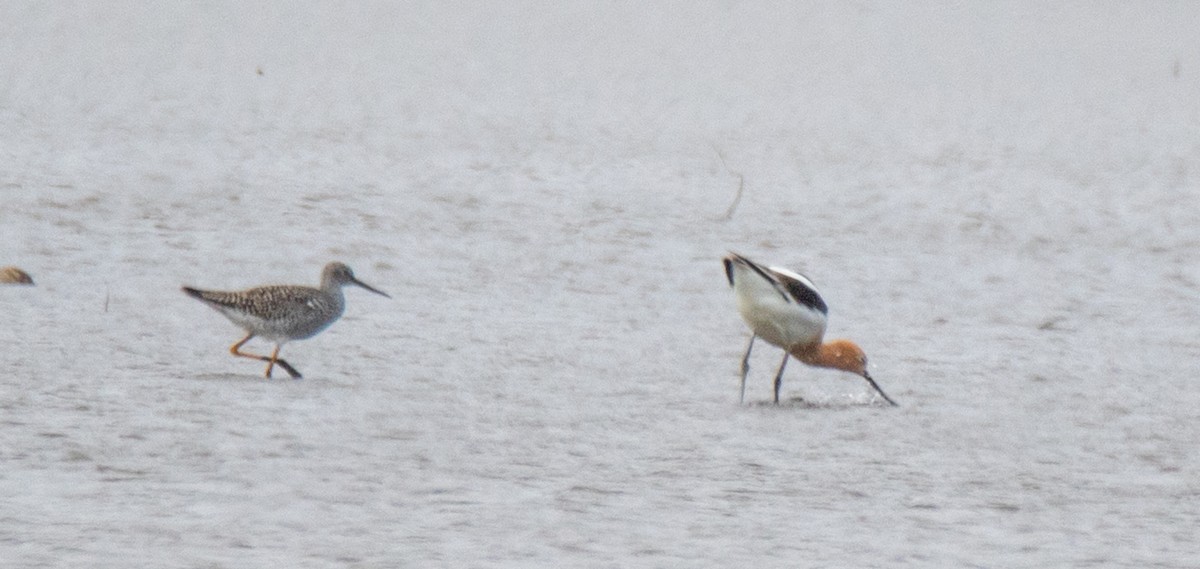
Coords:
pixel 283 313
pixel 13 275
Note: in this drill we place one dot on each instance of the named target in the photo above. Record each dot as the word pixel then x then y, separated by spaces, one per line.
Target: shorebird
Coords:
pixel 785 309
pixel 13 275
pixel 283 313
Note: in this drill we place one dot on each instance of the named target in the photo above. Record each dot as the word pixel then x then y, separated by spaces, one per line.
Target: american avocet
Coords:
pixel 785 309
pixel 283 313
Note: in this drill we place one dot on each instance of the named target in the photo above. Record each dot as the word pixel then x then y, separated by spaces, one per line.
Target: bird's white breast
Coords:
pixel 771 315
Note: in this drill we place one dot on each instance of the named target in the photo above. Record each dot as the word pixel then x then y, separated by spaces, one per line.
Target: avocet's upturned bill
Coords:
pixel 785 309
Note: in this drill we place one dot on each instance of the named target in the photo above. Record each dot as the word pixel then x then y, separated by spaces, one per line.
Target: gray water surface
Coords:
pixel 998 202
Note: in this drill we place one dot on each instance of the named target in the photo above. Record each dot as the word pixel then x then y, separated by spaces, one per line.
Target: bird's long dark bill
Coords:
pixel 876 386
pixel 371 288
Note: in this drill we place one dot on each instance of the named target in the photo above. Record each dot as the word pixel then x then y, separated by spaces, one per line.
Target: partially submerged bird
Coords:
pixel 13 275
pixel 283 313
pixel 785 309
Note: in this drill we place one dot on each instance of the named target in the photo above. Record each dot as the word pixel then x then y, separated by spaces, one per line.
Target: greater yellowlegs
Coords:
pixel 283 313
pixel 785 309
pixel 13 275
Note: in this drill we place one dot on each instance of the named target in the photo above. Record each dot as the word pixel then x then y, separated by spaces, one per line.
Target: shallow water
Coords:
pixel 999 208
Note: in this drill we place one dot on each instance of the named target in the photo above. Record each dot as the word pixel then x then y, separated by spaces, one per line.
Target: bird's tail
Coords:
pixel 194 293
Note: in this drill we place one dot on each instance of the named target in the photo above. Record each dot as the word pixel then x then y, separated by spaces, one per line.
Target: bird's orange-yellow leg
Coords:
pixel 271 361
pixel 236 350
pixel 274 358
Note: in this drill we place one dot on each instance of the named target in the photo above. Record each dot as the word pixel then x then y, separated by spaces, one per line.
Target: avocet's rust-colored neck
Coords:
pixel 836 354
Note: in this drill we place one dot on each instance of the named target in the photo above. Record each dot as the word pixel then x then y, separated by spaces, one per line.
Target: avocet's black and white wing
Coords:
pixel 791 286
pixel 800 289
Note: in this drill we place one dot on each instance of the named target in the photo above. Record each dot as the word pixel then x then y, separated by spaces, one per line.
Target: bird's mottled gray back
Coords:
pixel 279 312
pixel 274 302
pixel 286 312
